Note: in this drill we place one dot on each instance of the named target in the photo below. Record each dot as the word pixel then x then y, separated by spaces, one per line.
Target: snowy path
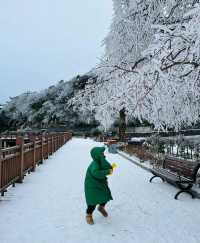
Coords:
pixel 49 207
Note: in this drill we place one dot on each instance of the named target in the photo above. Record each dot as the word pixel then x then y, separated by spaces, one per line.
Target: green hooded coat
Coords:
pixel 96 185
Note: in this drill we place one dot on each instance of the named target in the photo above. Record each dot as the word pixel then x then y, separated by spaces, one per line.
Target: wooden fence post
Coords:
pixel 52 144
pixel 32 139
pixel 0 163
pixel 55 143
pixel 4 144
pixel 20 141
pixel 47 141
pixel 42 149
pixel 34 155
pixel 63 139
pixel 49 144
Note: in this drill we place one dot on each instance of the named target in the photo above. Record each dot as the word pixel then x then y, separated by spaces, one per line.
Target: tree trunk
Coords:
pixel 122 125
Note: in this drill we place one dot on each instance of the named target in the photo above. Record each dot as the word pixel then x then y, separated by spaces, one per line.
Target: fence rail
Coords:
pixel 18 160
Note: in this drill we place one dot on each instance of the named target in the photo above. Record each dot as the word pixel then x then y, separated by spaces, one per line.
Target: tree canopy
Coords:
pixel 150 66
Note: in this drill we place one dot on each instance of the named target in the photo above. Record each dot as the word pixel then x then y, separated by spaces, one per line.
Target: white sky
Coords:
pixel 44 41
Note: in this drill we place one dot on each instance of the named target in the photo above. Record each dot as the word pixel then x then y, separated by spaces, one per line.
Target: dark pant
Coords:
pixel 91 208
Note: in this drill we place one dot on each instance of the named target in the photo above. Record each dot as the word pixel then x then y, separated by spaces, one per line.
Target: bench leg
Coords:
pixel 178 193
pixel 155 177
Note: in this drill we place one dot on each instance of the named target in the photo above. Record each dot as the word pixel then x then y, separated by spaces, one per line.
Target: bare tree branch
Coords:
pixel 180 63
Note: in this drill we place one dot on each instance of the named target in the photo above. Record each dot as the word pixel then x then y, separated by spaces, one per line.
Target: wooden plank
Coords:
pixel 9 184
pixel 170 176
pixel 10 156
pixel 10 149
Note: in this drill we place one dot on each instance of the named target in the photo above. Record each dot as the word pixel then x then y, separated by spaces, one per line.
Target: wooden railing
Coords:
pixel 17 161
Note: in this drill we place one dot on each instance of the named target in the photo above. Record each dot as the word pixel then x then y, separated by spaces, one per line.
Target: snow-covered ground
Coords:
pixel 49 207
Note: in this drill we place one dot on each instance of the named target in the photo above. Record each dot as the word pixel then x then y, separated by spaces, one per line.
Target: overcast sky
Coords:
pixel 44 41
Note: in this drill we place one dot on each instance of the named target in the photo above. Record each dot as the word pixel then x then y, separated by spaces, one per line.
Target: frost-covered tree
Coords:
pixel 173 70
pixel 150 69
pixel 47 108
pixel 150 66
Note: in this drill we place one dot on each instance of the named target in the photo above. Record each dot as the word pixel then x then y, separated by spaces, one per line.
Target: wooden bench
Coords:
pixel 178 172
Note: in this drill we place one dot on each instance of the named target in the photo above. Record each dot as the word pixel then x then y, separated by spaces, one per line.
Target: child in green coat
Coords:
pixel 97 191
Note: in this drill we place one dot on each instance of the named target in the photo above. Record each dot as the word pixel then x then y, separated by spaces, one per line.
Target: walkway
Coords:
pixel 49 206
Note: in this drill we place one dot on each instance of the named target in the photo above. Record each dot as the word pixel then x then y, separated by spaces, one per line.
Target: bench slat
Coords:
pixel 181 167
pixel 168 175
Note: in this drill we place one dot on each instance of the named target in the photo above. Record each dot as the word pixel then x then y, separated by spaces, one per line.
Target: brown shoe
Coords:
pixel 89 219
pixel 102 211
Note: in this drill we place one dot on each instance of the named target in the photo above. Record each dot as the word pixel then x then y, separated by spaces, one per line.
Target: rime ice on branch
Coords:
pixel 150 66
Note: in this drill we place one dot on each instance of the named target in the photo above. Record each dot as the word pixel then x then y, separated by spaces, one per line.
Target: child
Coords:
pixel 97 191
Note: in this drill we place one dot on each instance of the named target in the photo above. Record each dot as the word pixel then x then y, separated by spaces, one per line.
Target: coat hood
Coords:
pixel 97 152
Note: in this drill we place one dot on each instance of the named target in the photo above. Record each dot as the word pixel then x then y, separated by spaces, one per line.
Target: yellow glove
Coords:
pixel 110 171
pixel 114 165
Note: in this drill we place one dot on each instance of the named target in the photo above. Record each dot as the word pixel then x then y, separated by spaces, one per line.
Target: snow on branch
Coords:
pixel 150 66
